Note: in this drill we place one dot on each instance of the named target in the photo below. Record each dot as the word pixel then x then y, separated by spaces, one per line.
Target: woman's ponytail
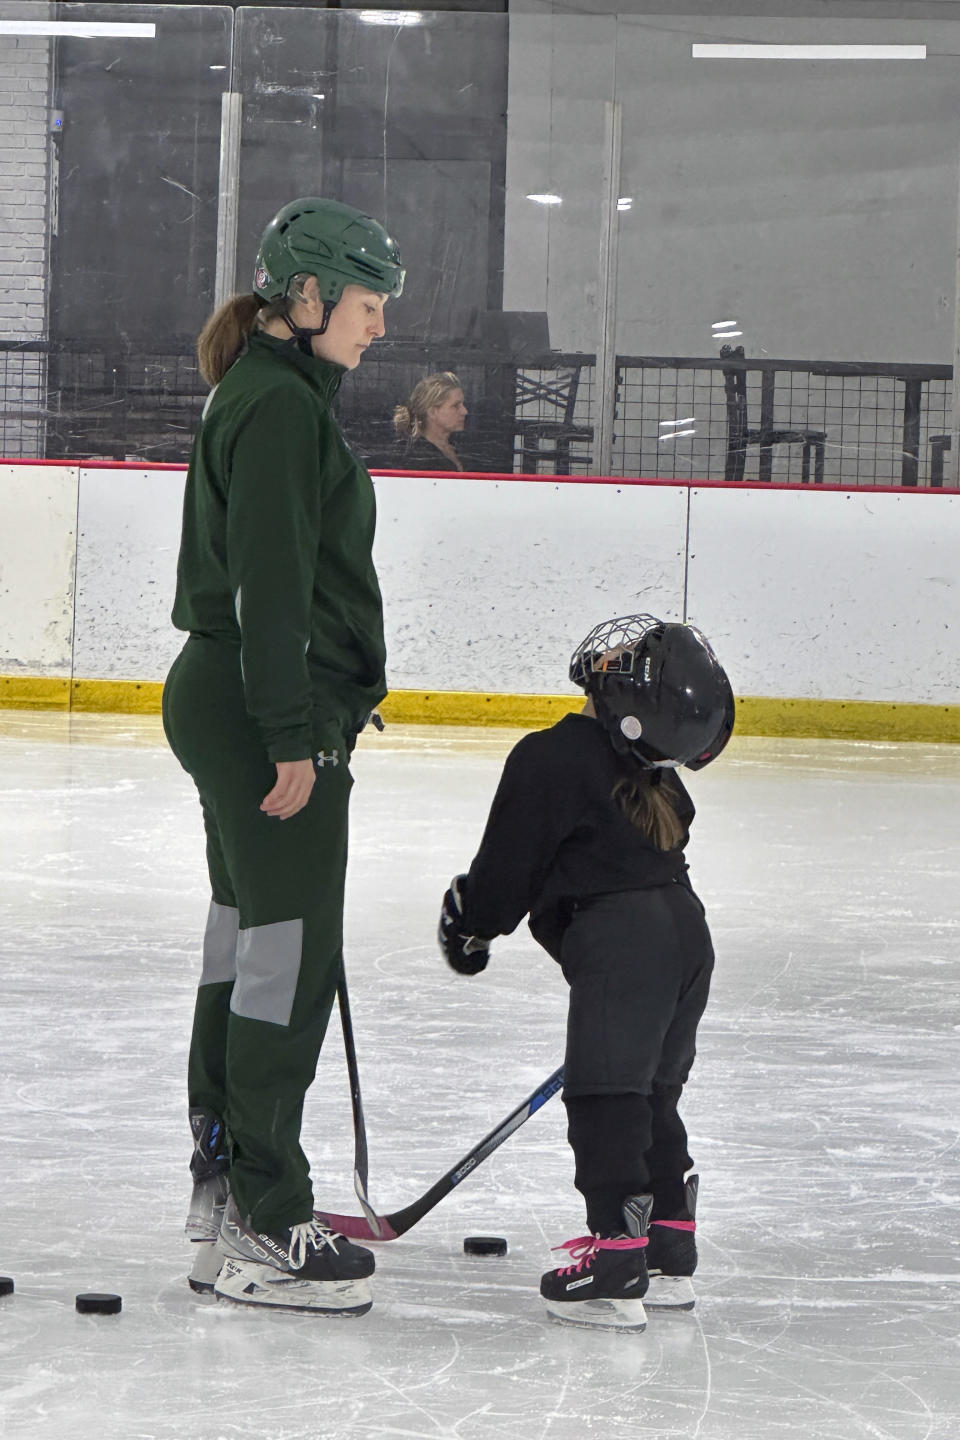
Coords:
pixel 224 337
pixel 403 421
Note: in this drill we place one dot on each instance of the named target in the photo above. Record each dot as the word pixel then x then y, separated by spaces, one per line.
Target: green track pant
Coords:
pixel 272 953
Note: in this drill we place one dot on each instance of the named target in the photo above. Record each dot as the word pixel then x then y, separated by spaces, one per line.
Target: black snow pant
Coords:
pixel 273 949
pixel 638 964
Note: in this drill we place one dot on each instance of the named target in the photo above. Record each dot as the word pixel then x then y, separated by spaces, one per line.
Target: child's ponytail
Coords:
pixel 650 808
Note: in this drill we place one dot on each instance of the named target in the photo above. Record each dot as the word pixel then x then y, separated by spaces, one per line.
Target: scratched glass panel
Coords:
pixel 123 134
pixel 444 127
pixel 804 210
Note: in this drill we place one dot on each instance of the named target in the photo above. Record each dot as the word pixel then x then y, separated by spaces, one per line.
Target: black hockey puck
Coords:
pixel 6 1285
pixel 93 1304
pixel 484 1245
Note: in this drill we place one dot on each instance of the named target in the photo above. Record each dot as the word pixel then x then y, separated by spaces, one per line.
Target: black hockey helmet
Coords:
pixel 658 689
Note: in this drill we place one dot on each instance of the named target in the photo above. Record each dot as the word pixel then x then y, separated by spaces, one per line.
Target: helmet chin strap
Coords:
pixel 301 335
pixel 625 738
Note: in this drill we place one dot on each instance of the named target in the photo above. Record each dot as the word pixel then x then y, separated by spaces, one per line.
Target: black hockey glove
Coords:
pixel 467 954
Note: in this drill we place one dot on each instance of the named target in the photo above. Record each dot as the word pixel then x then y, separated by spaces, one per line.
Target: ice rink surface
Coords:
pixel 823 1113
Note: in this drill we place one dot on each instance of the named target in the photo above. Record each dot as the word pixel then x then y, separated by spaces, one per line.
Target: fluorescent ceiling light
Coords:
pixel 625 202
pixel 390 17
pixel 688 421
pixel 82 29
pixel 546 199
pixel 809 52
pixel 722 324
pixel 727 334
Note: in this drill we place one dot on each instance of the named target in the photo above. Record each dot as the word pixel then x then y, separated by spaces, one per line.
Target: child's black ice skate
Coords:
pixel 607 1280
pixel 305 1267
pixel 672 1255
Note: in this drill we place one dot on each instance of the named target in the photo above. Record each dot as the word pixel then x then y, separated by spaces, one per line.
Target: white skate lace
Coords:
pixel 311 1232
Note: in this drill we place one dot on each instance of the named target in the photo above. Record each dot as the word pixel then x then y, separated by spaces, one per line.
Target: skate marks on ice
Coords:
pixel 477 1368
pixel 822 1109
pixel 435 1359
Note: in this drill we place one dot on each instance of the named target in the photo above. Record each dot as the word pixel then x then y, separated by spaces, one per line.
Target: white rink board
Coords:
pixel 829 595
pixel 807 593
pixel 127 572
pixel 38 518
pixel 489 585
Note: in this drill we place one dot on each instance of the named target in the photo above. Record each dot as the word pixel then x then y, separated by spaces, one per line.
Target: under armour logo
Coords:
pixel 322 758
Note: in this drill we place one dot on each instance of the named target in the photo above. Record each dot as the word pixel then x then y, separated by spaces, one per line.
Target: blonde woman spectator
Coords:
pixel 434 413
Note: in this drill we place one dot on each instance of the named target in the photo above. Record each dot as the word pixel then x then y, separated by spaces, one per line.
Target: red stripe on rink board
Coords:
pixel 95 464
pixel 548 479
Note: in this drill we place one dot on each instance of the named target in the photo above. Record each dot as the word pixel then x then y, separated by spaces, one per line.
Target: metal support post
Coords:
pixel 231 113
pixel 606 373
pixel 955 408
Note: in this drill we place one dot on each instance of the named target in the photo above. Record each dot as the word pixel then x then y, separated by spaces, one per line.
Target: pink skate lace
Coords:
pixel 585 1248
pixel 690 1225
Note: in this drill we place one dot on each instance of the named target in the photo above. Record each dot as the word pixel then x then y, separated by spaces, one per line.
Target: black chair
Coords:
pixel 938 444
pixel 740 435
pixel 549 431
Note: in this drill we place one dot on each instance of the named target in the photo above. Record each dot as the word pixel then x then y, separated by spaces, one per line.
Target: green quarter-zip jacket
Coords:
pixel 276 550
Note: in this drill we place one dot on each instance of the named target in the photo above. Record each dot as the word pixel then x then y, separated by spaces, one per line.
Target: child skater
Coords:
pixel 586 834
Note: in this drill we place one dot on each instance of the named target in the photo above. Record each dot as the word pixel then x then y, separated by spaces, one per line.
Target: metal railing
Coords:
pixel 878 423
pixel 694 418
pixel 68 402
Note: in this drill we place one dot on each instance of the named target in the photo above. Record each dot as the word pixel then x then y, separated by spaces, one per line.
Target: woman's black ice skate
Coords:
pixel 672 1255
pixel 306 1267
pixel 209 1168
pixel 207 1204
pixel 608 1279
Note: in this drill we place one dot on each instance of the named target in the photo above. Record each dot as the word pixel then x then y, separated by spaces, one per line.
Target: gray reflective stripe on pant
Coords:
pixel 268 968
pixel 220 945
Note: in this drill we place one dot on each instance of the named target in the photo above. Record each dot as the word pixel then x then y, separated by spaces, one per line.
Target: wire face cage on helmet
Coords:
pixel 658 689
pixel 611 648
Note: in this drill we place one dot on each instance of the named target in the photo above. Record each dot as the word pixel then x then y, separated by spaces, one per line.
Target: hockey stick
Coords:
pixel 370 1226
pixel 360 1157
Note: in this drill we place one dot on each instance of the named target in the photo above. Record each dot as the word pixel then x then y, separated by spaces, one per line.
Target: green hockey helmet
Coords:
pixel 336 243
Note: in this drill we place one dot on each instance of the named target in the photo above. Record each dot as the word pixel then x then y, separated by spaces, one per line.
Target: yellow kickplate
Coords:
pixel 124 697
pixel 848 720
pixel 34 692
pixel 756 715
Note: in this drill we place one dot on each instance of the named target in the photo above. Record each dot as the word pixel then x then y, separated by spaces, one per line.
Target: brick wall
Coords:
pixel 25 152
pixel 24 178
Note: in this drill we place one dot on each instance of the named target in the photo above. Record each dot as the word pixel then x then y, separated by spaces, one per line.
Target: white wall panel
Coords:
pixel 38 517
pixel 489 585
pixel 129 524
pixel 830 595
